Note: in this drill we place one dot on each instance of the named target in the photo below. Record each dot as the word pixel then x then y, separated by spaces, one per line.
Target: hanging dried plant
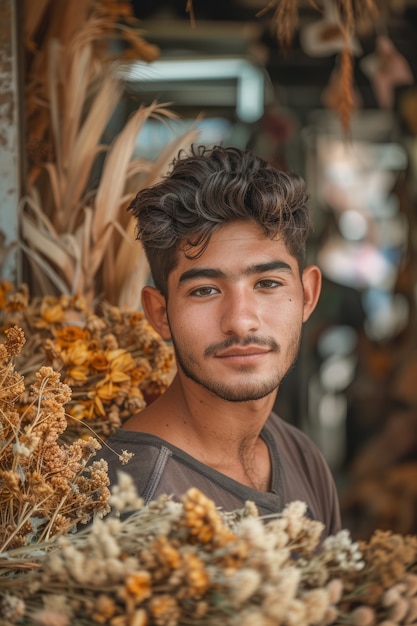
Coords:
pixel 339 95
pixel 284 19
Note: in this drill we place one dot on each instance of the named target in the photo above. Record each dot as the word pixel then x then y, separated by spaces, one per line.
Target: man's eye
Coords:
pixel 201 292
pixel 267 283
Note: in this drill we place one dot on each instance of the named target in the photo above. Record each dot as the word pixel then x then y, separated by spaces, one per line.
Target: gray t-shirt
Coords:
pixel 299 472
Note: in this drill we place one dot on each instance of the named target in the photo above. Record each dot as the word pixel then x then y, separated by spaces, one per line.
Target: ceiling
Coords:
pixel 232 26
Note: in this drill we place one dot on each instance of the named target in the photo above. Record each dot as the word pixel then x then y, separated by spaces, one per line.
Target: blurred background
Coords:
pixel 326 89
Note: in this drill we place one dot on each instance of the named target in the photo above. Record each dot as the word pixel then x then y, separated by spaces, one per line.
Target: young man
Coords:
pixel 225 237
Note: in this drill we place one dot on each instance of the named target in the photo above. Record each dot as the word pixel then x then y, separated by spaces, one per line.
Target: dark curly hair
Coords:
pixel 211 187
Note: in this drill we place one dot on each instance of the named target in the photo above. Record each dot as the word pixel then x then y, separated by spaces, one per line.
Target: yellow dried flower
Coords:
pixel 51 312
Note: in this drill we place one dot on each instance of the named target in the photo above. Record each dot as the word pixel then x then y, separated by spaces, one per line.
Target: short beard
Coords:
pixel 245 392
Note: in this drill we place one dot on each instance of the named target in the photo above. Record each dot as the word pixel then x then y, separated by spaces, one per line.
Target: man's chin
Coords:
pixel 241 391
pixel 247 394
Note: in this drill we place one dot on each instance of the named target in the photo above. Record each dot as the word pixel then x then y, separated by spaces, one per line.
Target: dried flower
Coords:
pixel 42 488
pixel 363 616
pixel 113 360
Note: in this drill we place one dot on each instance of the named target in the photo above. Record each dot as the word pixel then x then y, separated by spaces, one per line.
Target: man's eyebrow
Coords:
pixel 207 272
pixel 200 272
pixel 259 268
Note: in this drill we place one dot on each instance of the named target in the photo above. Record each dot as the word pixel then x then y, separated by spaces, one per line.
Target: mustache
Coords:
pixel 250 340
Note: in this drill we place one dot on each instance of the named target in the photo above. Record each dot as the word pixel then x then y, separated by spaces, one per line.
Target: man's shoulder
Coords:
pixel 142 448
pixel 291 439
pixel 276 424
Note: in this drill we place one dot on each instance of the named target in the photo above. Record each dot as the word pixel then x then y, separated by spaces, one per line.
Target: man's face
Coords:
pixel 235 313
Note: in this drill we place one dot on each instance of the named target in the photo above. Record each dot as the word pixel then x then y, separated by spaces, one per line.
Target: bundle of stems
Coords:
pixel 186 563
pixel 77 236
pixel 44 490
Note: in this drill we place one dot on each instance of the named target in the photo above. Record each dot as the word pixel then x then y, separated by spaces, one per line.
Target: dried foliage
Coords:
pixel 112 359
pixel 177 563
pixel 43 491
pixel 339 96
pixel 284 20
pixel 76 233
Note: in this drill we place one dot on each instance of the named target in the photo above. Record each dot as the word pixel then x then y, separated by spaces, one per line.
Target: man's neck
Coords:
pixel 223 435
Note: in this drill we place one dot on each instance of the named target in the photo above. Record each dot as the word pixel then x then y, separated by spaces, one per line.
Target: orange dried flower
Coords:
pixel 139 585
pixel 196 576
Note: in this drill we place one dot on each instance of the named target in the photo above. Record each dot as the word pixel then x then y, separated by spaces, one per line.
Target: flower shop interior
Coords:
pixel 325 88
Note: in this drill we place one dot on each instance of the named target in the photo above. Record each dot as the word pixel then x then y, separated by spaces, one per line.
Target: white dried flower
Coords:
pixel 410 581
pixel 331 616
pixel 12 608
pixel 244 583
pixel 125 457
pixel 294 514
pixel 316 603
pixel 393 594
pixel 411 616
pixel 335 590
pixel 399 609
pixel 124 496
pixel 21 449
pixel 363 616
pixel 252 617
pixel 253 531
pixel 54 564
pixel 296 613
pixel 278 596
pixel 49 617
pixel 340 549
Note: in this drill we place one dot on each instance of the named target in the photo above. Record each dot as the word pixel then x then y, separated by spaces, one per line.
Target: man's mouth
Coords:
pixel 233 347
pixel 249 351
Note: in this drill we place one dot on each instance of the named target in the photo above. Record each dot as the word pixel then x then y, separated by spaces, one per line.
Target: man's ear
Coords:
pixel 312 287
pixel 154 306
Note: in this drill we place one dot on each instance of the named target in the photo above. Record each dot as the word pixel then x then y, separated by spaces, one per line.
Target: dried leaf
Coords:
pixel 86 144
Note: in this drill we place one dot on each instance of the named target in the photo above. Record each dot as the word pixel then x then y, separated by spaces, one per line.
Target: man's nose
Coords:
pixel 240 314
